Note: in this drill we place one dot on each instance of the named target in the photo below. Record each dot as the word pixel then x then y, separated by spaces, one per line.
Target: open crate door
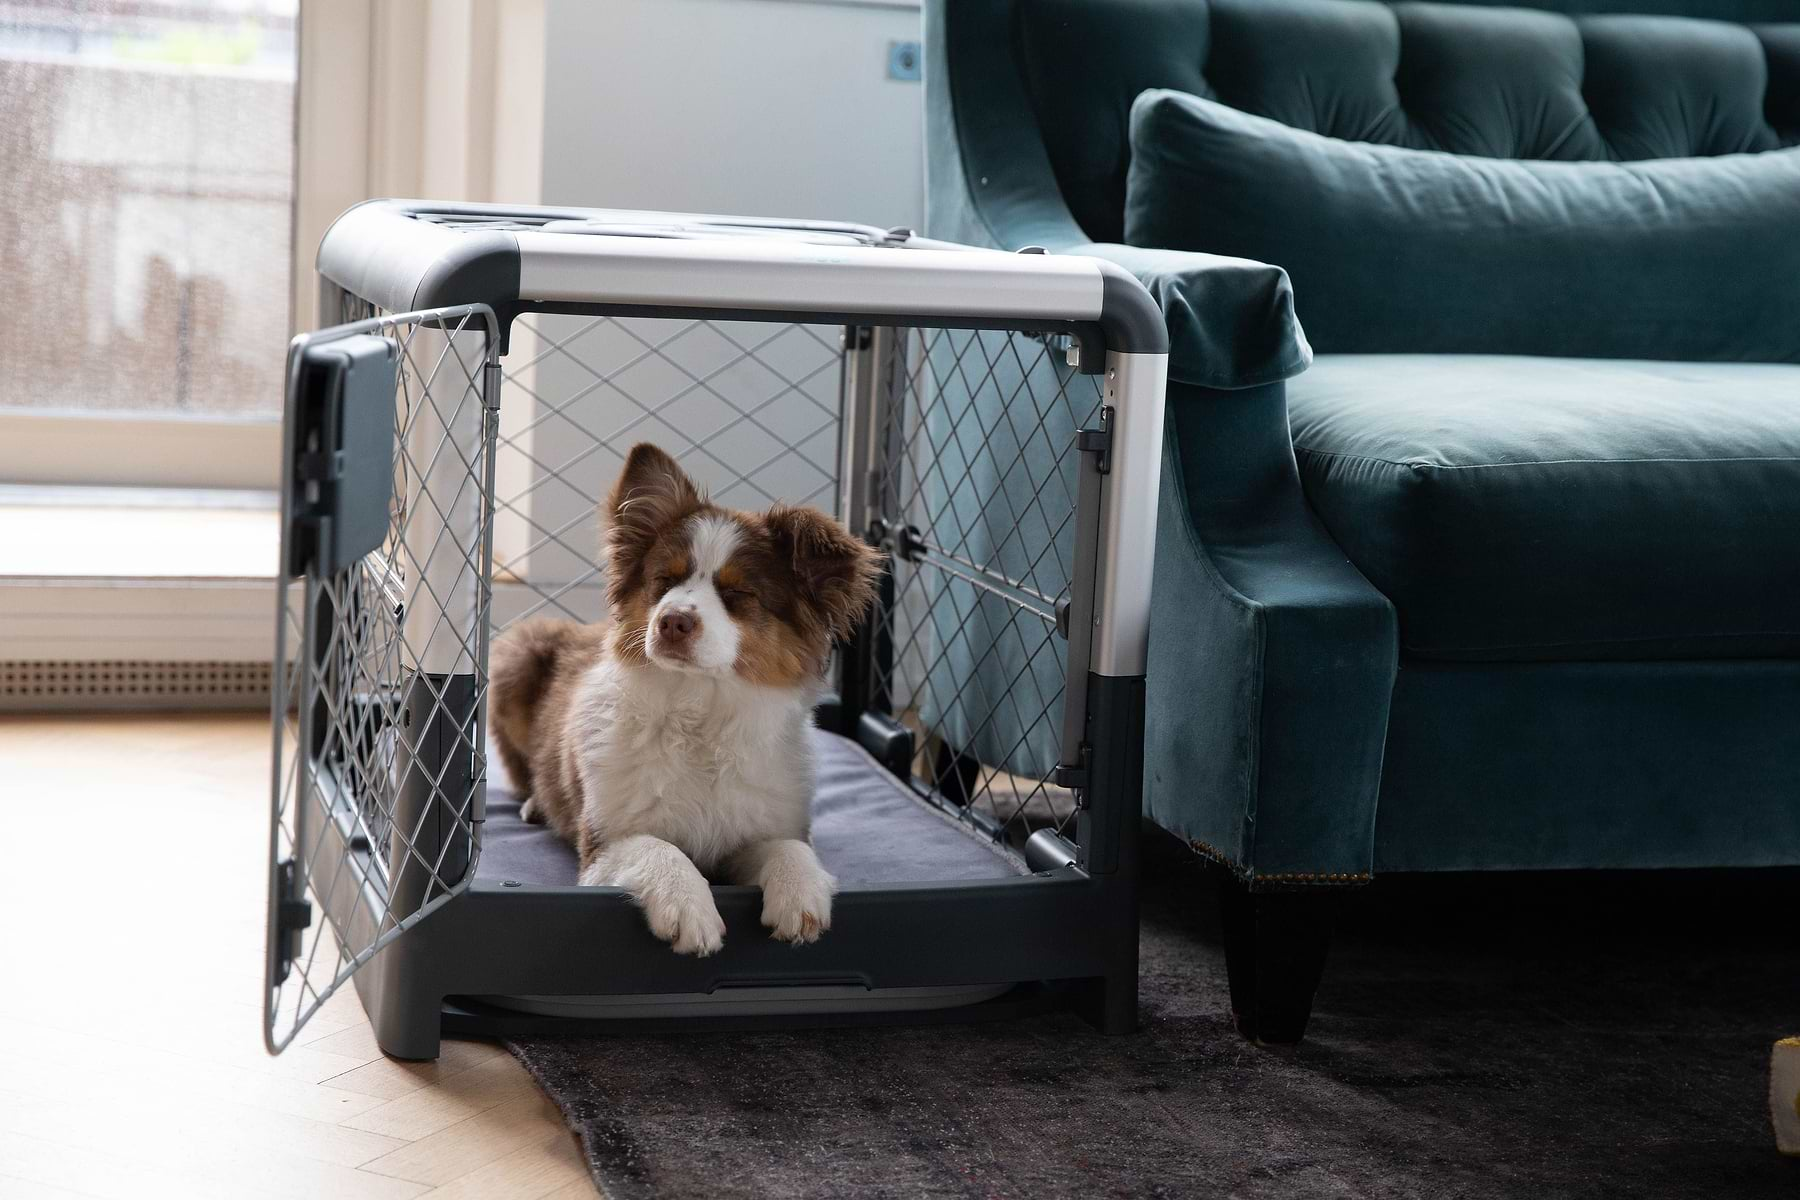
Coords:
pixel 381 643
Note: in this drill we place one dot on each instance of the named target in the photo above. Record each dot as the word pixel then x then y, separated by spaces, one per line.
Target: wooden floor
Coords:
pixel 131 1060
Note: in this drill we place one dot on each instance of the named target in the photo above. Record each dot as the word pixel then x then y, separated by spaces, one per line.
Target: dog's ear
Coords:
pixel 835 570
pixel 652 495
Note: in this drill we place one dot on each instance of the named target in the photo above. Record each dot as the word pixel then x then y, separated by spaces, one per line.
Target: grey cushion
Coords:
pixel 867 827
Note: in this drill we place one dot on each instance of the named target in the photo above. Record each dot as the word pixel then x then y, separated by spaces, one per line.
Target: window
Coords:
pixel 166 169
pixel 146 167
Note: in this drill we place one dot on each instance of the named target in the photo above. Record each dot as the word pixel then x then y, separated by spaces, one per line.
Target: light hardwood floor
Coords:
pixel 131 1061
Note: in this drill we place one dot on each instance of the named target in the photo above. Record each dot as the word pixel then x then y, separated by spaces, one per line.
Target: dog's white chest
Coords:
pixel 708 765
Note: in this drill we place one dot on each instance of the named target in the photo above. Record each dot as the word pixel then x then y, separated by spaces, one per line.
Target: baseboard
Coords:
pixel 125 685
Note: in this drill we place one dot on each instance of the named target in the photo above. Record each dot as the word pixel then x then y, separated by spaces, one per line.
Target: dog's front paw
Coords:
pixel 685 916
pixel 676 899
pixel 797 904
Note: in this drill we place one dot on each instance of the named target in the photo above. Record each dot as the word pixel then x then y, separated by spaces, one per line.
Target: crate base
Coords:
pixel 421 988
pixel 1061 922
pixel 748 1001
pixel 465 1017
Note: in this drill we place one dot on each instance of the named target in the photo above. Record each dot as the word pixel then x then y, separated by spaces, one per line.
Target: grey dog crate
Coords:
pixel 992 421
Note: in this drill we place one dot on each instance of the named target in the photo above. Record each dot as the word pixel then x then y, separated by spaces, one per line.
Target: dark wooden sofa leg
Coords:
pixel 1275 945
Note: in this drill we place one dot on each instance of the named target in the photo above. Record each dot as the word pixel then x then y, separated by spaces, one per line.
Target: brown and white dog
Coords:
pixel 671 742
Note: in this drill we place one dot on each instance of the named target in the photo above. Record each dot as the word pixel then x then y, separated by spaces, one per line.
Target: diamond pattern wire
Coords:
pixel 978 463
pixel 381 681
pixel 749 409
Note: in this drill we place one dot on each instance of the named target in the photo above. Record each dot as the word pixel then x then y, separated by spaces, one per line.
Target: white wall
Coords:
pixel 752 107
pixel 757 107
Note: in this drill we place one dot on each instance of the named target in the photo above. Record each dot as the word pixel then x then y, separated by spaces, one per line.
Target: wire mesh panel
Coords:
pixel 977 460
pixel 749 409
pixel 381 648
pixel 976 501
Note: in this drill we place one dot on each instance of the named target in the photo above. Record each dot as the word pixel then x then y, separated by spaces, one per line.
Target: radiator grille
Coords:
pixel 71 686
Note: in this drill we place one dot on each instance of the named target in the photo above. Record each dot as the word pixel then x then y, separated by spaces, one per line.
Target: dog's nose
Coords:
pixel 676 626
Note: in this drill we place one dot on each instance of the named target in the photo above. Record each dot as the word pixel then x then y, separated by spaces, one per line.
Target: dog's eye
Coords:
pixel 736 597
pixel 666 581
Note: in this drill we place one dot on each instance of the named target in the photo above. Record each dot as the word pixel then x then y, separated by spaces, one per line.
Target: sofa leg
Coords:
pixel 1275 945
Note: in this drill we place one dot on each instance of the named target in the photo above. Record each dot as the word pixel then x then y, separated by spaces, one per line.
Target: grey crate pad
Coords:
pixel 868 828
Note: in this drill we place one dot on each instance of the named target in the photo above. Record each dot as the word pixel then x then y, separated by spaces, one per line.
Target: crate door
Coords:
pixel 984 496
pixel 381 643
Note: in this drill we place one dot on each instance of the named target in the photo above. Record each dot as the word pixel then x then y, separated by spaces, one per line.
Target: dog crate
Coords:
pixel 992 421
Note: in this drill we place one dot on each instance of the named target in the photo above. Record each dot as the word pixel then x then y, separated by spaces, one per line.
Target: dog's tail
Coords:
pixel 522 665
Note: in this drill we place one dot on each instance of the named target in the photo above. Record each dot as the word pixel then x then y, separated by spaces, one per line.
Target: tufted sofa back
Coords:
pixel 1466 78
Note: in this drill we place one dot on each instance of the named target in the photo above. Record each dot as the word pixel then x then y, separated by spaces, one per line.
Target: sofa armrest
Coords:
pixel 1231 320
pixel 1273 659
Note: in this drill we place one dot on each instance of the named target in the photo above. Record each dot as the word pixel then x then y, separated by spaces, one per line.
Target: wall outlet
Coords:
pixel 904 61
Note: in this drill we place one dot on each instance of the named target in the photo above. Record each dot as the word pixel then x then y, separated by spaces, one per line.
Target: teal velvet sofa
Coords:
pixel 1460 593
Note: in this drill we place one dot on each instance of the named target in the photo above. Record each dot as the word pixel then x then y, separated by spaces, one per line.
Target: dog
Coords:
pixel 670 743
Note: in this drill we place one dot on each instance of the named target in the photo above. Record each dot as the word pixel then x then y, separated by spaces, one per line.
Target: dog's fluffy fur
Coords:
pixel 670 743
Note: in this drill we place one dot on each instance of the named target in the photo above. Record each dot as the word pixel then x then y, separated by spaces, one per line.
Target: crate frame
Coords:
pixel 1066 932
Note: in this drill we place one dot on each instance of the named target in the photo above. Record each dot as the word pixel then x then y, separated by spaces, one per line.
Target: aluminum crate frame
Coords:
pixel 1065 932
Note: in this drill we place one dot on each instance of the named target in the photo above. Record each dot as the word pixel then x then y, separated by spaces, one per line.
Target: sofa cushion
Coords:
pixel 1464 78
pixel 1392 249
pixel 1544 509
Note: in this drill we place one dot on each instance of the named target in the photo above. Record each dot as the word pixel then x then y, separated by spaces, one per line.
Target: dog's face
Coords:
pixel 699 588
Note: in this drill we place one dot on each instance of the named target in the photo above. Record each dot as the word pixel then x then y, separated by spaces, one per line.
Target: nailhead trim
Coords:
pixel 1314 877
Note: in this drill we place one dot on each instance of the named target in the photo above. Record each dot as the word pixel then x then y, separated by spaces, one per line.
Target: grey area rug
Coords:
pixel 1575 1036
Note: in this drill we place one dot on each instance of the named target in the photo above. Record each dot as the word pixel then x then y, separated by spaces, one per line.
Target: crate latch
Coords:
pixel 1098 442
pixel 905 541
pixel 342 411
pixel 293 916
pixel 1074 776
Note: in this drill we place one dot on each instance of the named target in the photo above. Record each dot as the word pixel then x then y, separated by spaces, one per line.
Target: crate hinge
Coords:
pixel 293 916
pixel 1098 442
